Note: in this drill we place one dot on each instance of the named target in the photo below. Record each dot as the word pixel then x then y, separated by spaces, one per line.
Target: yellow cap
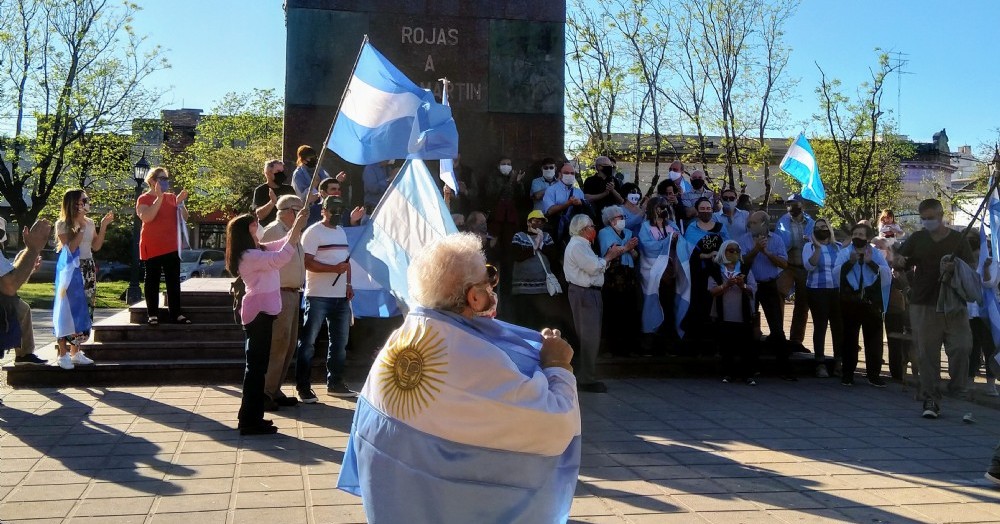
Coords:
pixel 537 214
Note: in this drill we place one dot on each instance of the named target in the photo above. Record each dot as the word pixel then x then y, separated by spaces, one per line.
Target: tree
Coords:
pixel 859 159
pixel 231 145
pixel 72 71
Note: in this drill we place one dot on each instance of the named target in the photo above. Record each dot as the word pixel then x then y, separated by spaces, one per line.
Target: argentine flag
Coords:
pixel 411 215
pixel 683 283
pixel 70 312
pixel 990 311
pixel 800 163
pixel 457 422
pixel 384 115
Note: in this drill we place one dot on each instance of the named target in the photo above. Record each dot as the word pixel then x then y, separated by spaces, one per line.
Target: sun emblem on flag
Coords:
pixel 412 370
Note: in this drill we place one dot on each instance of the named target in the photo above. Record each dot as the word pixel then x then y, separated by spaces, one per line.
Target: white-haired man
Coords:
pixel 585 274
pixel 285 330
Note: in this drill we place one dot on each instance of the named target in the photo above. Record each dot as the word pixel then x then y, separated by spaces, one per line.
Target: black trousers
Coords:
pixel 773 304
pixel 982 344
pixel 866 319
pixel 824 306
pixel 737 349
pixel 170 265
pixel 258 352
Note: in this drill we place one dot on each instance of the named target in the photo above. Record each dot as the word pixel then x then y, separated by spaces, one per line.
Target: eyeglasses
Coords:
pixel 84 200
pixel 729 199
pixel 619 217
pixel 162 178
pixel 552 166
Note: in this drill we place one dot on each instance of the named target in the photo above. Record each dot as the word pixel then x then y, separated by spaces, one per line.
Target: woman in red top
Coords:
pixel 158 209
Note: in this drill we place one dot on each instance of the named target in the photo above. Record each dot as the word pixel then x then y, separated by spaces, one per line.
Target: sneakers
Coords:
pixel 994 477
pixel 30 359
pixel 751 381
pixel 65 361
pixel 877 382
pixel 308 396
pixel 593 387
pixel 726 380
pixel 340 390
pixel 931 409
pixel 821 371
pixel 286 402
pixel 847 381
pixel 991 390
pixel 81 359
pixel 968 418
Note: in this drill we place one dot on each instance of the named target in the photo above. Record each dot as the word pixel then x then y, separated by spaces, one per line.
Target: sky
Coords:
pixel 218 46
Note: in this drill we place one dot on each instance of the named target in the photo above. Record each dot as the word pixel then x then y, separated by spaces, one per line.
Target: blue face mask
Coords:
pixel 164 185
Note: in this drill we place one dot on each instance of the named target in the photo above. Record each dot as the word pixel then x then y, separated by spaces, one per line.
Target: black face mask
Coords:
pixel 822 234
pixel 279 177
pixel 795 212
pixel 608 171
pixel 698 183
pixel 859 243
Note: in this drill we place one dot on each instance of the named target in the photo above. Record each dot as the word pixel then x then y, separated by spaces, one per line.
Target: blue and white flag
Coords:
pixel 410 215
pixel 800 163
pixel 384 115
pixel 861 275
pixel 447 171
pixel 457 422
pixel 990 309
pixel 683 283
pixel 70 311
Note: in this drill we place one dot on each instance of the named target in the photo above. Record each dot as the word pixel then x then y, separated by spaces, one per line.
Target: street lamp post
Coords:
pixel 134 292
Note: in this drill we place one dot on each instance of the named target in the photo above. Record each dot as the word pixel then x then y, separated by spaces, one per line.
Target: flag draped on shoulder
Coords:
pixel 990 311
pixel 70 312
pixel 458 423
pixel 800 163
pixel 410 215
pixel 385 115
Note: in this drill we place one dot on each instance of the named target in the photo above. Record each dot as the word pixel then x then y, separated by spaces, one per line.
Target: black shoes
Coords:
pixel 931 409
pixel 30 359
pixel 264 427
pixel 341 390
pixel 593 387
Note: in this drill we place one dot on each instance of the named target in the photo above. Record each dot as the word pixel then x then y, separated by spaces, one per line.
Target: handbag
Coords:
pixel 551 282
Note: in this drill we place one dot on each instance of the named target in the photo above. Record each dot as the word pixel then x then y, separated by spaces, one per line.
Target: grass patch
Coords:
pixel 39 295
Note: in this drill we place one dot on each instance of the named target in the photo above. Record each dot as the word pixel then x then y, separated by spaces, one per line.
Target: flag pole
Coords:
pixel 994 182
pixel 314 182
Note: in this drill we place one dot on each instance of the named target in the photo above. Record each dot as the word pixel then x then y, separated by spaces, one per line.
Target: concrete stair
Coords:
pixel 209 351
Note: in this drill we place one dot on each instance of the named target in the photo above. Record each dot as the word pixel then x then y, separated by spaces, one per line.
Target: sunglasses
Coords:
pixel 84 200
pixel 549 167
pixel 732 199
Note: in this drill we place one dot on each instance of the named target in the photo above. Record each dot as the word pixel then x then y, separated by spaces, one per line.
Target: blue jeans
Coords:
pixel 336 312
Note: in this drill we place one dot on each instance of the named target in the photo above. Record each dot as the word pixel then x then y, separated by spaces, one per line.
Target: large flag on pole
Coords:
pixel 410 215
pixel 384 115
pixel 800 163
pixel 990 311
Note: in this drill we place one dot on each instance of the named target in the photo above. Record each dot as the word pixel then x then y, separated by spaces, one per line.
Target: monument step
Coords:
pixel 106 332
pixel 184 350
pixel 199 314
pixel 157 372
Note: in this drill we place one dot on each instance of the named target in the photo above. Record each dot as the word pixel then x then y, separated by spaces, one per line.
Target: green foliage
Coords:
pixel 74 74
pixel 226 161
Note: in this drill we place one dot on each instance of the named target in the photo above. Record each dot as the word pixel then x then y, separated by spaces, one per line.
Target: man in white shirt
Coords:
pixel 328 295
pixel 585 275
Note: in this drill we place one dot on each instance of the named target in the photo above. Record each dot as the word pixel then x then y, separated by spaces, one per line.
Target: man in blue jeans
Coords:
pixel 328 295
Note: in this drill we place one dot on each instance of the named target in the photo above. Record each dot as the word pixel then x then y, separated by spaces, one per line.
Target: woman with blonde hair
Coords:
pixel 159 209
pixel 732 288
pixel 77 232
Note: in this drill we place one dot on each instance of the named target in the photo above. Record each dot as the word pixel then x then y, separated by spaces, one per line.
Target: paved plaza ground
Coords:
pixel 655 451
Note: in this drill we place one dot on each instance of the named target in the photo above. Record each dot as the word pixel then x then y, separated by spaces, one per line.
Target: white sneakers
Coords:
pixel 69 362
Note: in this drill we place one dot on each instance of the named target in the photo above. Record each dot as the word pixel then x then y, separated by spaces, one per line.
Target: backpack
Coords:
pixel 238 289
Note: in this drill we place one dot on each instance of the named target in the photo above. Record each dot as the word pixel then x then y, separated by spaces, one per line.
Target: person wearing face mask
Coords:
pixel 705 234
pixel 765 257
pixel 533 253
pixel 668 190
pixel 563 201
pixel 266 195
pixel 633 207
pixel 376 178
pixel 699 190
pixel 734 218
pixel 305 164
pixel 864 279
pixel 602 189
pixel 478 392
pixel 675 175
pixel 924 251
pixel 732 289
pixel 621 282
pixel 500 197
pixel 819 256
pixel 540 184
pixel 158 209
pixel 585 277
pixel 796 228
pixel 658 238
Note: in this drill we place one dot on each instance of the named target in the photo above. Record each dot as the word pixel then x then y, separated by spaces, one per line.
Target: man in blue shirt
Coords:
pixel 766 256
pixel 796 229
pixel 540 184
pixel 562 201
pixel 376 179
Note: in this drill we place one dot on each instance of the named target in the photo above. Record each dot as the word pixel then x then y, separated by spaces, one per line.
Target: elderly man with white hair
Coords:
pixel 464 418
pixel 585 274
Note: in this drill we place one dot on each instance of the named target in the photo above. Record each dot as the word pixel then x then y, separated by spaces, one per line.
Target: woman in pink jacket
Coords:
pixel 258 264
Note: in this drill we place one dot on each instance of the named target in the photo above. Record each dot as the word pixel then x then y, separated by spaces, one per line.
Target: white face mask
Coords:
pixel 505 169
pixel 675 175
pixel 549 174
pixel 619 225
pixel 569 180
pixel 634 198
